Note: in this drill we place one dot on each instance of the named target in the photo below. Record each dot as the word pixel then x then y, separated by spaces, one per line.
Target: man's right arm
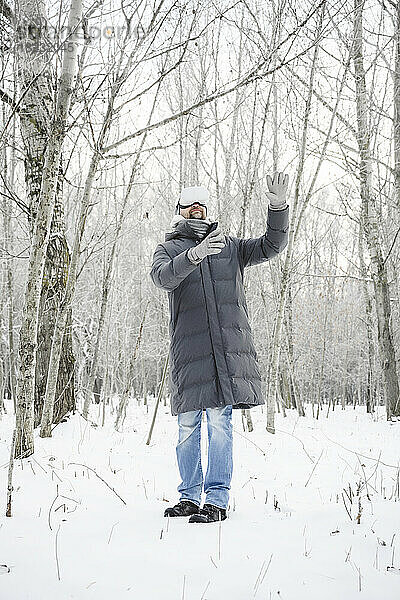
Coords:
pixel 166 272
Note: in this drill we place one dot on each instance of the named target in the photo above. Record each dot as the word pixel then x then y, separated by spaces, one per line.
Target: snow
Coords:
pixel 288 535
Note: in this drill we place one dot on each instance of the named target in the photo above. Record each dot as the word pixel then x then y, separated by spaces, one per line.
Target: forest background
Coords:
pixel 110 108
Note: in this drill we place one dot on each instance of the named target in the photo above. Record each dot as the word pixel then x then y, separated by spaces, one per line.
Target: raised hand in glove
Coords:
pixel 212 244
pixel 277 187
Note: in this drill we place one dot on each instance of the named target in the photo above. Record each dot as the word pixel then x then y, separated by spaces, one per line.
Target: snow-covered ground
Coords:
pixel 288 535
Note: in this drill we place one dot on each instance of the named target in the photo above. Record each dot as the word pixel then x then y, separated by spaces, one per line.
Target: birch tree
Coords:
pixel 35 48
pixel 24 445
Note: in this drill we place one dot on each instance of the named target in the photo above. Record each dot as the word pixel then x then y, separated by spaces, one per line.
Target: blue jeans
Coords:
pixel 217 482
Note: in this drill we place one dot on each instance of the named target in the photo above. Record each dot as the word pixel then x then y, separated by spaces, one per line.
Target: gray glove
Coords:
pixel 212 244
pixel 277 190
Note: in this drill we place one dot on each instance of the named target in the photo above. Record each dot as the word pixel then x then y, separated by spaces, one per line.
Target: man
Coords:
pixel 213 362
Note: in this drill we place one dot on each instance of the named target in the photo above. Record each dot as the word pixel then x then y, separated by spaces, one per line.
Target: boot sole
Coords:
pixel 189 515
pixel 201 520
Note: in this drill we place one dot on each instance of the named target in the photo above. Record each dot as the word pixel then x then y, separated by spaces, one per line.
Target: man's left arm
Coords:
pixel 254 251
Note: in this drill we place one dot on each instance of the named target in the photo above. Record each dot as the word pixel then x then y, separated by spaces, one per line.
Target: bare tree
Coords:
pixel 370 216
pixel 35 49
pixel 24 445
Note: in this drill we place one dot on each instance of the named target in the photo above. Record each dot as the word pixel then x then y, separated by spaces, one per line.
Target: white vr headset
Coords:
pixel 190 195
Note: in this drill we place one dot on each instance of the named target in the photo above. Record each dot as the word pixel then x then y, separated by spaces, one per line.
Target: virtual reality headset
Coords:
pixel 191 195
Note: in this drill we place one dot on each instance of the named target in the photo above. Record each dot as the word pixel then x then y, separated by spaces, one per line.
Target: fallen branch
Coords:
pixel 251 442
pixel 313 469
pixel 299 440
pixel 358 453
pixel 101 479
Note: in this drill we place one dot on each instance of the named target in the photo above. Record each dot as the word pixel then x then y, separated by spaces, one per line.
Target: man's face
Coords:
pixel 194 211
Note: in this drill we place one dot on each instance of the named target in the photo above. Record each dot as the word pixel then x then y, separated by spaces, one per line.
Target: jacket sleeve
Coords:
pixel 253 251
pixel 166 272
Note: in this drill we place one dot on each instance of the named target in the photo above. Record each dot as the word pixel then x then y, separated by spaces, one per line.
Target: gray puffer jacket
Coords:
pixel 212 358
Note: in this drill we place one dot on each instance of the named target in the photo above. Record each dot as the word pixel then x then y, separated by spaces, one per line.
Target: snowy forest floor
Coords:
pixel 288 534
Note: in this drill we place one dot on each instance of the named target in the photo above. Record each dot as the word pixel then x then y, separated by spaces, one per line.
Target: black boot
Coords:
pixel 208 514
pixel 184 508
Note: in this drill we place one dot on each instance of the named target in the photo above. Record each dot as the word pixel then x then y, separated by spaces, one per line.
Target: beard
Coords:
pixel 196 215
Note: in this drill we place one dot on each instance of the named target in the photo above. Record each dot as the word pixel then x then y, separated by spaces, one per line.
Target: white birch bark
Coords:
pixel 36 80
pixel 45 426
pixel 369 322
pixel 24 445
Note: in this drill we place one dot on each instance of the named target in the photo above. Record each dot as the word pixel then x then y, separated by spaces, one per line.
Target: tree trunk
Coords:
pixel 121 412
pixel 369 323
pixel 8 168
pixel 370 224
pixel 28 336
pixel 45 429
pixel 396 105
pixel 37 108
pixel 285 279
pixel 295 224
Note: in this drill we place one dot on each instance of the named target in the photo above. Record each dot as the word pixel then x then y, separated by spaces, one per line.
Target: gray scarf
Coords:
pixel 199 226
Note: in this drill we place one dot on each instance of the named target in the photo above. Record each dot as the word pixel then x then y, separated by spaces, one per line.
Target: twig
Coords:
pixel 314 467
pixel 344 502
pixel 160 391
pixel 263 452
pixel 101 479
pixel 38 463
pixel 265 572
pixel 56 550
pixel 183 588
pixel 219 540
pixel 365 479
pixel 299 440
pixel 259 578
pixel 206 588
pixel 51 506
pixel 111 532
pixel 358 453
